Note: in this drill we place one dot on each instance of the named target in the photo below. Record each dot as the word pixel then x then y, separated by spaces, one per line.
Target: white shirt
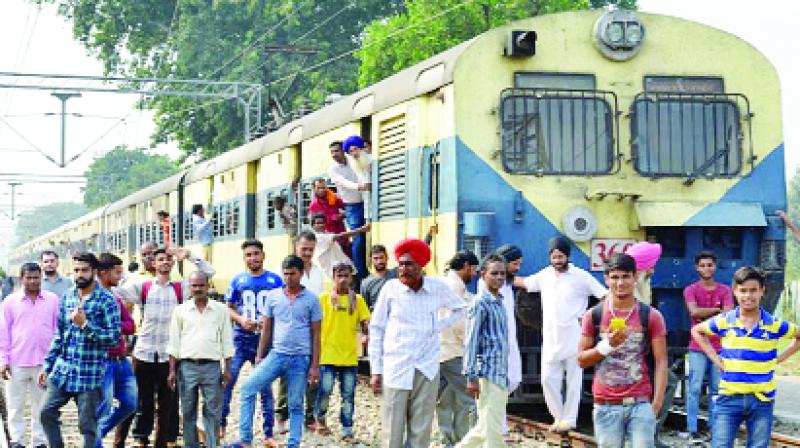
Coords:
pixel 451 339
pixel 196 335
pixel 514 357
pixel 329 253
pixel 312 279
pixel 404 330
pixel 346 181
pixel 565 297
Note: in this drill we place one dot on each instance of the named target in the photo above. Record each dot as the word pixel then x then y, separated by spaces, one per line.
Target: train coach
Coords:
pixel 609 127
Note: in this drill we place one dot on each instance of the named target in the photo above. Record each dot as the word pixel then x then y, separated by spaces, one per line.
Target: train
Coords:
pixel 606 126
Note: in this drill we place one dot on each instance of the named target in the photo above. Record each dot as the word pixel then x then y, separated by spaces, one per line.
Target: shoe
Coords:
pixel 312 426
pixel 564 428
pixel 322 428
pixel 272 443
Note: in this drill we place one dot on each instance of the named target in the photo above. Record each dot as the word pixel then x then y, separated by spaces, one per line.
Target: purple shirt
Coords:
pixel 128 328
pixel 720 297
pixel 27 328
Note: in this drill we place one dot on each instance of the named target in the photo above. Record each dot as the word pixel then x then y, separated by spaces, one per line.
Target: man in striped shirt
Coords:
pixel 486 357
pixel 749 354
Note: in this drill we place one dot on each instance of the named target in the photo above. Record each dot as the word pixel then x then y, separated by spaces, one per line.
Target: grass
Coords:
pixel 791 366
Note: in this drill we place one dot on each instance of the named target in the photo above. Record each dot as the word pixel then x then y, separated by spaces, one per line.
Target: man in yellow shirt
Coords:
pixel 342 311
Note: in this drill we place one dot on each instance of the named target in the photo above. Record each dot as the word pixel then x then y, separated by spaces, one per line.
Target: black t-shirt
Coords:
pixel 372 285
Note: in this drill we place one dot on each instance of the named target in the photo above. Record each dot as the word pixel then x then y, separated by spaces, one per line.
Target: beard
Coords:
pixel 48 271
pixel 83 283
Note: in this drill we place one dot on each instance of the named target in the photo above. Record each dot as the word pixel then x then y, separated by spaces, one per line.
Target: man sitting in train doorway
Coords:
pixel 565 290
pixel 201 229
pixel 348 187
pixel 704 299
pixel 618 336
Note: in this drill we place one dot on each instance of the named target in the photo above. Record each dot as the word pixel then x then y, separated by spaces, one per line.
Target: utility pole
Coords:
pixel 64 96
pixel 13 186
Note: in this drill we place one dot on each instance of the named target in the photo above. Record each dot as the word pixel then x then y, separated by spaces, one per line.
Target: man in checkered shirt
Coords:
pixel 88 325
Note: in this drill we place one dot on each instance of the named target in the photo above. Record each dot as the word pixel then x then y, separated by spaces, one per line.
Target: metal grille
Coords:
pixel 306 193
pixel 392 136
pixel 188 230
pixel 480 246
pixel 392 186
pixel 558 131
pixel 688 135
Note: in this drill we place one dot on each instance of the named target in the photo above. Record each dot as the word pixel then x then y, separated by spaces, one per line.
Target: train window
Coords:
pixel 188 230
pixel 687 135
pixel 233 229
pixel 569 81
pixel 550 131
pixel 271 213
pixel 725 242
pixel 392 186
pixel 672 240
pixel 306 194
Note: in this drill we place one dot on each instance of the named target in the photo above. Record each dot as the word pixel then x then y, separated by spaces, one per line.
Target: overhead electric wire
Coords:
pixel 350 52
pixel 20 135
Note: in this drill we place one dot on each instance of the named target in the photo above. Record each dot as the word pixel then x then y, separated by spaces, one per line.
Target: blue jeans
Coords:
pixel 614 423
pixel 354 215
pixel 731 410
pixel 295 369
pixel 699 367
pixel 119 383
pixel 55 399
pixel 347 388
pixel 246 352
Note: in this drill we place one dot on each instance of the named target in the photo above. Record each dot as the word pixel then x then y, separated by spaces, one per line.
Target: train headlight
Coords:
pixel 614 33
pixel 619 34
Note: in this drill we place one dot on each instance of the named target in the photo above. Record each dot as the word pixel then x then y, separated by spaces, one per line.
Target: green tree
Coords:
pixel 428 27
pixel 257 41
pixel 121 172
pixel 37 222
pixel 792 245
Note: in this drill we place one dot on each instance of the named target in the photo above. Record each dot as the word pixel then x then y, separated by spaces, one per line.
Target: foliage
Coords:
pixel 792 245
pixel 429 27
pixel 121 172
pixel 225 40
pixel 43 219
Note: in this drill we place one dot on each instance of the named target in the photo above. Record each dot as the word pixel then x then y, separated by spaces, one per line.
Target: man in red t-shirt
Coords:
pixel 704 299
pixel 627 395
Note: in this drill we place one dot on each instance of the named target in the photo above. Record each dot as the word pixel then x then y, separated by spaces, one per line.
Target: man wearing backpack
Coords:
pixel 158 299
pixel 618 337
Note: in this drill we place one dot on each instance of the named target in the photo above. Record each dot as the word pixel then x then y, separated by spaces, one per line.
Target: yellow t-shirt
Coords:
pixel 339 344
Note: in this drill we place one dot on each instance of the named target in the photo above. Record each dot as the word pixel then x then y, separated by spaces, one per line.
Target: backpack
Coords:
pixel 176 286
pixel 644 317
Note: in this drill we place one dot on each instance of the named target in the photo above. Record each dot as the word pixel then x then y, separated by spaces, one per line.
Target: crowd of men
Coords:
pixel 137 353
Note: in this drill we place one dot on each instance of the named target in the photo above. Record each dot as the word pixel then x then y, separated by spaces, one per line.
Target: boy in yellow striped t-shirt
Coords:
pixel 747 361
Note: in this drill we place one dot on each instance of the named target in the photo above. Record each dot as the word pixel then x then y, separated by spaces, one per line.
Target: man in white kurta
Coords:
pixel 565 291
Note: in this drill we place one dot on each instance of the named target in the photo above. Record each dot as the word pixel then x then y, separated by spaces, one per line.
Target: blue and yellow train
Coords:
pixel 609 127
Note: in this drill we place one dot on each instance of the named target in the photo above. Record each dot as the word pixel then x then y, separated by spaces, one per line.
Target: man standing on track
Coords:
pixel 74 368
pixel 200 338
pixel 246 298
pixel 565 290
pixel 455 410
pixel 704 299
pixel 617 336
pixel 404 346
pixel 119 382
pixel 158 299
pixel 293 316
pixel 28 320
pixel 486 358
pixel 52 280
pixel 372 285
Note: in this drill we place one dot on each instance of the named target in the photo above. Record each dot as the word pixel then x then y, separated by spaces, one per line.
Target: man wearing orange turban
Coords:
pixel 404 346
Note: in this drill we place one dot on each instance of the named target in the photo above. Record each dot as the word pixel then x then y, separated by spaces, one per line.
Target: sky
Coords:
pixel 36 40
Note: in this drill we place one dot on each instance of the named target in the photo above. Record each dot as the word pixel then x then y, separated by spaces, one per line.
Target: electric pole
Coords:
pixel 13 186
pixel 64 96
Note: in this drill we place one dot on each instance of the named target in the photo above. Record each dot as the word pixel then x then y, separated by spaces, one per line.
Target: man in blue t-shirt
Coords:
pixel 246 297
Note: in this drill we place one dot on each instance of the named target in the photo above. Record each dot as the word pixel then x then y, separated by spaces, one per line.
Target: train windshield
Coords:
pixel 557 131
pixel 688 135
